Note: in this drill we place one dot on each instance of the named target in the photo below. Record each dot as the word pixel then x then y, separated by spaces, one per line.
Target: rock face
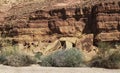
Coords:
pixel 64 22
pixel 106 21
pixel 100 22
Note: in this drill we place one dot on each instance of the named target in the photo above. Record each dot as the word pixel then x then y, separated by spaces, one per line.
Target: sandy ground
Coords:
pixel 38 69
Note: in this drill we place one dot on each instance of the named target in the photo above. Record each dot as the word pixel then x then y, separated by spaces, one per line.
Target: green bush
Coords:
pixel 112 62
pixel 64 58
pixel 104 48
pixel 14 57
pixel 38 55
pixel 105 58
pixel 19 60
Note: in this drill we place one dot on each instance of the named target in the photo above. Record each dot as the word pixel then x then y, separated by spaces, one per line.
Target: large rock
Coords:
pixel 52 47
pixel 62 43
pixel 85 43
pixel 112 36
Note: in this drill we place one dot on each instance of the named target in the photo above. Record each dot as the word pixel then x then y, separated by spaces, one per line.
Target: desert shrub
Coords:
pixel 111 62
pixel 114 60
pixel 103 55
pixel 64 58
pixel 14 57
pixel 5 42
pixel 38 55
pixel 18 60
pixel 105 58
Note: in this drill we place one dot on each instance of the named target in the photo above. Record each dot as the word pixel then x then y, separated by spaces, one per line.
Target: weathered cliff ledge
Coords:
pixel 87 25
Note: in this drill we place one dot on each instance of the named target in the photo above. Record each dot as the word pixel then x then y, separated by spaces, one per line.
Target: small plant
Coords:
pixel 38 55
pixel 5 42
pixel 111 62
pixel 105 58
pixel 64 58
pixel 114 60
pixel 19 60
pixel 104 49
pixel 14 57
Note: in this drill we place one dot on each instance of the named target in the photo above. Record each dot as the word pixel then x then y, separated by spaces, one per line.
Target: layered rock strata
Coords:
pixel 107 22
pixel 99 22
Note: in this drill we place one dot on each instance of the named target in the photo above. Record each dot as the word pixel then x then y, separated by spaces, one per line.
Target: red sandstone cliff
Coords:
pixel 98 21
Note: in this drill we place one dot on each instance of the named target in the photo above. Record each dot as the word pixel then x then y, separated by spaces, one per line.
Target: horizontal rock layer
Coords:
pixel 112 36
pixel 100 22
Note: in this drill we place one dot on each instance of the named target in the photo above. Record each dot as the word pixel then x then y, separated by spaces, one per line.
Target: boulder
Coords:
pixel 62 43
pixel 86 42
pixel 52 47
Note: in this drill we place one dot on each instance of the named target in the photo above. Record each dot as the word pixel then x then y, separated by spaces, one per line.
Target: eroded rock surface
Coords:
pixel 106 21
pixel 90 24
